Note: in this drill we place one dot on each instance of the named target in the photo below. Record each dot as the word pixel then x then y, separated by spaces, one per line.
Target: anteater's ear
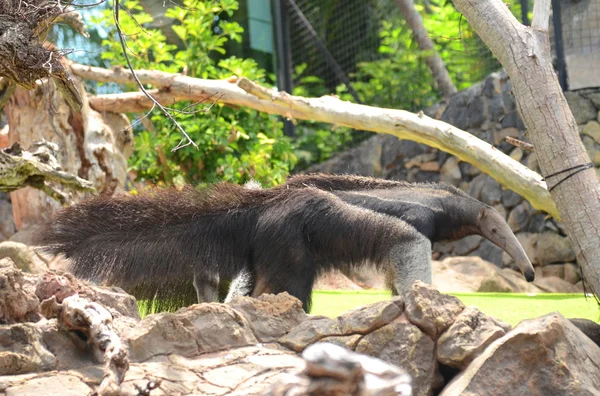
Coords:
pixel 482 213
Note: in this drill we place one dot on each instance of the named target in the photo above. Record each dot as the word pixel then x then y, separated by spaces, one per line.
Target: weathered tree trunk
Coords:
pixel 434 61
pixel 524 53
pixel 92 146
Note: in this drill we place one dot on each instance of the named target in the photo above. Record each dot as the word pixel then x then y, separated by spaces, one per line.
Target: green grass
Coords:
pixel 509 307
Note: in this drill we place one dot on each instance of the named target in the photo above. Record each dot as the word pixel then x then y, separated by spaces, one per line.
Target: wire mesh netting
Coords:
pixel 580 25
pixel 352 32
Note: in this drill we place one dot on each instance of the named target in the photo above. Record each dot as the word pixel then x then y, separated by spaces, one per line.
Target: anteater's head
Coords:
pixel 491 225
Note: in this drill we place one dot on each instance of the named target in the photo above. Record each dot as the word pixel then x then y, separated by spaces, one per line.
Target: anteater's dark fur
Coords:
pixel 286 235
pixel 440 212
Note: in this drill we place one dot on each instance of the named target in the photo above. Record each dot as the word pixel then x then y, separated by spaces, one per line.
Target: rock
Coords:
pixel 519 217
pixel 592 129
pixel 545 356
pixel 61 384
pixel 491 193
pixel 26 236
pixel 467 338
pixel 196 329
pixel 572 274
pixel 507 281
pixel 58 285
pixel 69 350
pixel 429 310
pixel 22 350
pixel 450 172
pixel 510 199
pixel 495 284
pixel 7 223
pixel 517 154
pixel 270 316
pixel 461 274
pixel 477 185
pixel 500 209
pixel 489 252
pixel 431 166
pixel 364 159
pixel 553 284
pixel 348 342
pixel 553 248
pixel 115 299
pixel 310 331
pixel 533 163
pixel 367 278
pixel 512 120
pixel 419 160
pixel 365 319
pixel 62 285
pixel 589 328
pixel 23 256
pixel 404 345
pixel 335 280
pixel 517 282
pixel 556 270
pixel 582 108
pixel 466 245
pixel 17 303
pixel 594 97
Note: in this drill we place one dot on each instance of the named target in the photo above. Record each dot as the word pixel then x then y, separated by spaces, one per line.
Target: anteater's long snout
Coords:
pixel 494 227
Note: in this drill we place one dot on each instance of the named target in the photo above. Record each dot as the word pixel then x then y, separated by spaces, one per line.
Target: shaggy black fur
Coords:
pixel 439 211
pixel 153 245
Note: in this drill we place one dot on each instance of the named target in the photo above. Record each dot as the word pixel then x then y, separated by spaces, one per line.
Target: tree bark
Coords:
pixel 93 146
pixel 434 61
pixel 524 53
pixel 405 125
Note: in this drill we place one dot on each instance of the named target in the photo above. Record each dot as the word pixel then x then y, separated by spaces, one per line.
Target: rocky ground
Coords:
pixel 459 274
pixel 53 340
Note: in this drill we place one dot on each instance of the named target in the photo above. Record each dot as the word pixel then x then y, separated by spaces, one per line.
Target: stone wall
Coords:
pixel 488 111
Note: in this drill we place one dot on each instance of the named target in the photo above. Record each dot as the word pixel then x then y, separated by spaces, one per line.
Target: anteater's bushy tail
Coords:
pixel 146 244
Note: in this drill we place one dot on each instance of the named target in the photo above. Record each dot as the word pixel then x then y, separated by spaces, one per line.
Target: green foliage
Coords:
pixel 234 144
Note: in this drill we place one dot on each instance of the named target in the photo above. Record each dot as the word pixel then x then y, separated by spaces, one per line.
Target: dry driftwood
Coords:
pixel 95 322
pixel 403 124
pixel 35 168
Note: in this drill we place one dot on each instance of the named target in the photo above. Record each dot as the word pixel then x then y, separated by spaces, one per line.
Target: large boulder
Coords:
pixel 405 345
pixel 270 316
pixel 545 356
pixel 17 302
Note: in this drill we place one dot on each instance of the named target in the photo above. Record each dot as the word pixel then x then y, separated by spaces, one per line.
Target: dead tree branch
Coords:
pixel 95 321
pixel 35 168
pixel 405 125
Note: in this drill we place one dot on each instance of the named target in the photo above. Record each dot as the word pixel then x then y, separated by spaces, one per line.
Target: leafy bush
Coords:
pixel 233 144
